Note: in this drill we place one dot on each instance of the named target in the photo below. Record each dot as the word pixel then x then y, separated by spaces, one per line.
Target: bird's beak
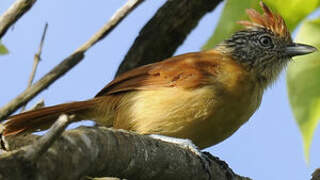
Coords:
pixel 297 49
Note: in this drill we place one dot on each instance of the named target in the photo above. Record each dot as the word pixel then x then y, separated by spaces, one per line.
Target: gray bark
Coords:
pixel 101 152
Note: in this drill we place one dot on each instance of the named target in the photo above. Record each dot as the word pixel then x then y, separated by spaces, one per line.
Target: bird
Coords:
pixel 202 96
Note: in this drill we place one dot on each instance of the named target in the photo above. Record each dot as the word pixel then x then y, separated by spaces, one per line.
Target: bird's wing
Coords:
pixel 185 71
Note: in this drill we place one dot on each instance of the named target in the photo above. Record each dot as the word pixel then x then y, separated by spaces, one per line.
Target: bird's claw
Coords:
pixel 187 144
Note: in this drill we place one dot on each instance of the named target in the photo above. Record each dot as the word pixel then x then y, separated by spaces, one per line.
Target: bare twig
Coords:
pixel 68 63
pixel 36 60
pixel 37 105
pixel 34 151
pixel 117 17
pixel 101 152
pixel 16 10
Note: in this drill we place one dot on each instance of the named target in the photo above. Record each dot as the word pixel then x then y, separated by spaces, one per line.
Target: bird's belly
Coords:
pixel 203 115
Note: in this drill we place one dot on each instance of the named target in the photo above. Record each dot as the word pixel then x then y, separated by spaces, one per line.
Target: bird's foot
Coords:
pixel 187 144
pixel 184 143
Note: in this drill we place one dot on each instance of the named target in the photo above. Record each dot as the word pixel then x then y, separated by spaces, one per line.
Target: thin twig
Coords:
pixel 68 63
pixel 37 105
pixel 117 17
pixel 16 10
pixel 36 60
pixel 34 151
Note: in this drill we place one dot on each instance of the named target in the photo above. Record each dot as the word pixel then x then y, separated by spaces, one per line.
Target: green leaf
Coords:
pixel 304 84
pixel 3 49
pixel 293 11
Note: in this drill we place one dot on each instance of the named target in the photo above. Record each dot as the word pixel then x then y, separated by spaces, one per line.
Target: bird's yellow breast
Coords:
pixel 206 115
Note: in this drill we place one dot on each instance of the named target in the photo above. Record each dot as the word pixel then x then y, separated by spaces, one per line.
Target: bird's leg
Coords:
pixel 187 144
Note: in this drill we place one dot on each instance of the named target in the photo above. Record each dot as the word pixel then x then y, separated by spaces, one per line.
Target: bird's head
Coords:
pixel 265 45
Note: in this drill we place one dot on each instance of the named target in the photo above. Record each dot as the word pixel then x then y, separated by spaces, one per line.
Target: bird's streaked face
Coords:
pixel 265 46
pixel 264 52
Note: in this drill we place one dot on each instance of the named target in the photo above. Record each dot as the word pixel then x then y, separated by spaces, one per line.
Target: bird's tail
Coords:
pixel 42 119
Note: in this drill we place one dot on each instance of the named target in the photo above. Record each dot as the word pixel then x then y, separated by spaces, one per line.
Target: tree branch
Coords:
pixel 68 63
pixel 98 152
pixel 166 31
pixel 42 145
pixel 16 10
pixel 36 60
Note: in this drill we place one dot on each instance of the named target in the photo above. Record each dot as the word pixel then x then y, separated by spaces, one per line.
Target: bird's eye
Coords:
pixel 266 41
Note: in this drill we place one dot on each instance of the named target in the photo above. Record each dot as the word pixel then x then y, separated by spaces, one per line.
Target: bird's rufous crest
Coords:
pixel 272 21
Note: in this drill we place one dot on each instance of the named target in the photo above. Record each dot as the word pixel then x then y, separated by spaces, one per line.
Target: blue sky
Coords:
pixel 268 147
